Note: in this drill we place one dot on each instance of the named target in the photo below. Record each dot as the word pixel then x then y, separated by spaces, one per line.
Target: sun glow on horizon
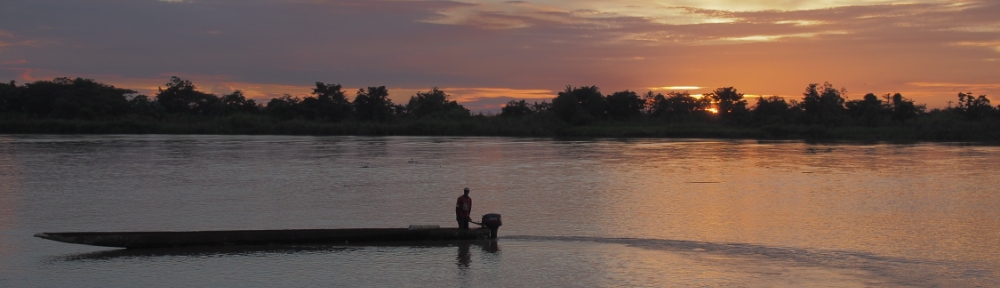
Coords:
pixel 676 88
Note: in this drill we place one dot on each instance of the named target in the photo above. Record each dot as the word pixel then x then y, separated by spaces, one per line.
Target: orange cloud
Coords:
pixel 675 88
pixel 960 86
pixel 990 44
pixel 473 94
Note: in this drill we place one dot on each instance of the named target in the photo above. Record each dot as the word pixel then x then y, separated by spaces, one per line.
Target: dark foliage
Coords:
pixel 285 107
pixel 180 96
pixel 374 104
pixel 580 105
pixel 519 108
pixel 9 96
pixel 66 105
pixel 142 105
pixel 773 110
pixel 624 105
pixel 972 107
pixel 329 104
pixel 435 104
pixel 65 98
pixel 679 106
pixel 869 111
pixel 235 102
pixel 731 105
pixel 823 105
pixel 516 108
pixel 903 109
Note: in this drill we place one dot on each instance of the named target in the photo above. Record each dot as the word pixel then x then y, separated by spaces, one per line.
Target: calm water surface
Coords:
pixel 635 213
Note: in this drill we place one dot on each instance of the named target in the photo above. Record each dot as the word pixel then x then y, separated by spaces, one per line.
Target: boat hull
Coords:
pixel 263 237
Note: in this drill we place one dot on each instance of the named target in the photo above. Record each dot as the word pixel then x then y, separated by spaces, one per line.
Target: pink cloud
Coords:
pixel 26 75
pixel 15 62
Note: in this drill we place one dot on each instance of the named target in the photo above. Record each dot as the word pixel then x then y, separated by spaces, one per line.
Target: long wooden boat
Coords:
pixel 265 237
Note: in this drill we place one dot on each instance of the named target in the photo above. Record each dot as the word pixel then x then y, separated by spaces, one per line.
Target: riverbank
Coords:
pixel 84 106
pixel 525 126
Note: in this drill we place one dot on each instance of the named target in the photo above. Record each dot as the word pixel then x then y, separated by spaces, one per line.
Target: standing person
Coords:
pixel 462 209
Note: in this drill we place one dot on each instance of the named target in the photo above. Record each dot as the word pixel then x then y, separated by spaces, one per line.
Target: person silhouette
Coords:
pixel 462 209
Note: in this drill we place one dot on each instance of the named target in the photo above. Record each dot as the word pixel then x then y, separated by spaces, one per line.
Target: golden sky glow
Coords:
pixel 485 53
pixel 675 88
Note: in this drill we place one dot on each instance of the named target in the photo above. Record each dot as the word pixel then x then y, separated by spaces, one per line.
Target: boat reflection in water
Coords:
pixel 465 257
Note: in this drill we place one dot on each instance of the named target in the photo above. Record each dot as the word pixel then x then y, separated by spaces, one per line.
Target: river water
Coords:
pixel 593 213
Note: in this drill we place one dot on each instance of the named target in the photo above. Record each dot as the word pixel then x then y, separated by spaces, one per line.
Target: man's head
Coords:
pixel 466 191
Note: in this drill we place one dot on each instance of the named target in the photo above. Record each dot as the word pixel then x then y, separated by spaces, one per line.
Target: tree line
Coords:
pixel 821 105
pixel 87 99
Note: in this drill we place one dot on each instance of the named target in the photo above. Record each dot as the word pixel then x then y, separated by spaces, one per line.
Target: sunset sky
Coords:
pixel 485 53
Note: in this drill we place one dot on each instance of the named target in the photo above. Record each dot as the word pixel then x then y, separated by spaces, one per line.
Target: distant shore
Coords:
pixel 84 106
pixel 513 127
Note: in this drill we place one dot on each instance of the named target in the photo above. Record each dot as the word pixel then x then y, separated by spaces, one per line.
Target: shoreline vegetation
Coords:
pixel 84 106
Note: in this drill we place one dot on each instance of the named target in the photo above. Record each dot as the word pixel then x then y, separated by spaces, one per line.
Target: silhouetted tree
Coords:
pixel 580 105
pixel 972 107
pixel 679 105
pixel 903 109
pixel 822 104
pixel 730 103
pixel 867 111
pixel 435 103
pixel 237 103
pixel 330 103
pixel 516 108
pixel 284 107
pixel 181 96
pixel 773 109
pixel 545 106
pixel 398 109
pixel 373 104
pixel 142 105
pixel 73 98
pixel 648 101
pixel 9 96
pixel 310 108
pixel 624 105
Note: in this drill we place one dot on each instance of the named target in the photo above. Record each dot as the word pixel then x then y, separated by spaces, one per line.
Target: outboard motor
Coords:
pixel 492 221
